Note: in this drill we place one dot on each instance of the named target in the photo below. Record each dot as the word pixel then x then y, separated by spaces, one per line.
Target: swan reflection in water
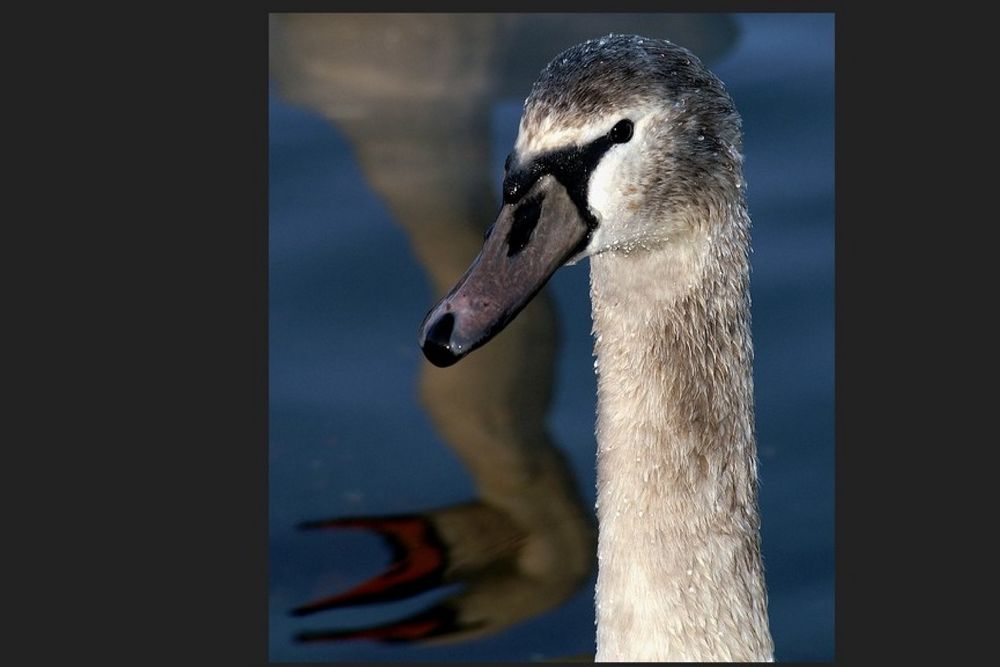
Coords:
pixel 414 96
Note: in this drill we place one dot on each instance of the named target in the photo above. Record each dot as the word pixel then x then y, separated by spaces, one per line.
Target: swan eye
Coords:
pixel 506 163
pixel 621 132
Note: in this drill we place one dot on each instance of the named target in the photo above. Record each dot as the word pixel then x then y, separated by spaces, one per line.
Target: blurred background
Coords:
pixel 425 514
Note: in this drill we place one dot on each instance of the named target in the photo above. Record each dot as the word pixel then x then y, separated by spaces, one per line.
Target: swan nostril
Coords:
pixel 437 344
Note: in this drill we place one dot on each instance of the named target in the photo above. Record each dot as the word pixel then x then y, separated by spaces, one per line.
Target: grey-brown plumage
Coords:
pixel 695 158
pixel 618 72
pixel 660 210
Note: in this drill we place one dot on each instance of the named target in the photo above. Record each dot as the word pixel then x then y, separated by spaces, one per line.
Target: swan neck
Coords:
pixel 679 573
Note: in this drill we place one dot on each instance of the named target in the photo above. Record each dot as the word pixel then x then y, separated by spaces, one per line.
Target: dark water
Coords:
pixel 348 435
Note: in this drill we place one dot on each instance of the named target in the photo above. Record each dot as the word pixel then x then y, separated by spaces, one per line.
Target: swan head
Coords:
pixel 625 144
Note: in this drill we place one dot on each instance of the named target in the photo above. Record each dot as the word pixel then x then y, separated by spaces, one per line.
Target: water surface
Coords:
pixel 349 432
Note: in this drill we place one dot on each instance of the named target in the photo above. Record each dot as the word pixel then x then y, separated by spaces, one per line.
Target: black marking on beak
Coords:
pixel 571 166
pixel 525 220
pixel 437 346
pixel 530 239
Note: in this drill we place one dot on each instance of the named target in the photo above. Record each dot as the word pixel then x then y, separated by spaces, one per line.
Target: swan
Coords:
pixel 628 153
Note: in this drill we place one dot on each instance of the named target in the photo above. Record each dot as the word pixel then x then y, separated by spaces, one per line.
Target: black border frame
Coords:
pixel 159 545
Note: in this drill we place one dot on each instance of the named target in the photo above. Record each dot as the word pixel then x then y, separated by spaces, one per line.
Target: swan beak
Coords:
pixel 530 239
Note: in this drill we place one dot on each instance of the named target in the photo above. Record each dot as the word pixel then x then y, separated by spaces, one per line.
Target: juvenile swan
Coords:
pixel 628 152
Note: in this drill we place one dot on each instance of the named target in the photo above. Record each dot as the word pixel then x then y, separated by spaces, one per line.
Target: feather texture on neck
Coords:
pixel 680 575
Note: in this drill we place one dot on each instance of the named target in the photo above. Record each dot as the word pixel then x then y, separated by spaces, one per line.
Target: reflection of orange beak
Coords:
pixel 439 620
pixel 417 566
